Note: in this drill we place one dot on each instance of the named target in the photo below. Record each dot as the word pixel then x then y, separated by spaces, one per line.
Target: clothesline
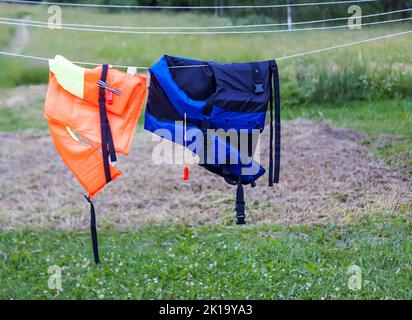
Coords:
pixel 203 27
pixel 202 65
pixel 120 6
pixel 203 32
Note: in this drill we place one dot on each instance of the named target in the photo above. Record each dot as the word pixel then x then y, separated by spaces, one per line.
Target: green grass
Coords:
pixel 6 33
pixel 259 262
pixel 27 117
pixel 387 125
pixel 17 73
pixel 380 69
pixel 388 116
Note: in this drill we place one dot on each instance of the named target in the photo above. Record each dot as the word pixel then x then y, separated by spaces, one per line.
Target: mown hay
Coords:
pixel 327 176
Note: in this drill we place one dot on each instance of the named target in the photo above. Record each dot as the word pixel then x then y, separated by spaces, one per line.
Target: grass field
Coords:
pixel 366 88
pixel 387 125
pixel 265 262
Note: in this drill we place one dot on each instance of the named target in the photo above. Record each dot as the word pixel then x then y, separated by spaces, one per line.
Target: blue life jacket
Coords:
pixel 228 96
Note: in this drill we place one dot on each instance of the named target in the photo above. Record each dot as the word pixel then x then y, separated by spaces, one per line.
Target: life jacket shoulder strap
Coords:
pixel 106 134
pixel 275 130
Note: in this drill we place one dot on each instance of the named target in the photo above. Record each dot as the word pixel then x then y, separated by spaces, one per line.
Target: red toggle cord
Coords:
pixel 186 174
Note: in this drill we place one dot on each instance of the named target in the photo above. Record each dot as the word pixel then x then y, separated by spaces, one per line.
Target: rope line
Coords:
pixel 344 45
pixel 203 27
pixel 94 5
pixel 204 65
pixel 202 32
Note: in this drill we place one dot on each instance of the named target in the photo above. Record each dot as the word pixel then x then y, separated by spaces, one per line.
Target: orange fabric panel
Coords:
pixel 82 115
pixel 63 109
pixel 84 160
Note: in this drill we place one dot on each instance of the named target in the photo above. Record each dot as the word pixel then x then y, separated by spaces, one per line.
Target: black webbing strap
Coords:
pixel 271 131
pixel 240 203
pixel 275 74
pixel 107 149
pixel 207 109
pixel 274 159
pixel 93 230
pixel 204 125
pixel 106 133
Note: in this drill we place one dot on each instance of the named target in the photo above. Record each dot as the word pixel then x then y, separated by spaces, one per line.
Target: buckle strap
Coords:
pixel 204 125
pixel 257 77
pixel 274 155
pixel 240 203
pixel 105 85
pixel 93 230
pixel 271 130
pixel 208 107
pixel 106 134
pixel 277 123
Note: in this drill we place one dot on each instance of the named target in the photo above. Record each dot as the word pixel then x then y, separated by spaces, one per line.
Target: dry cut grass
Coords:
pixel 327 176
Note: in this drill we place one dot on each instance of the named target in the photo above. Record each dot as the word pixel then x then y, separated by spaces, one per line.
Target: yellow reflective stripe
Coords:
pixel 69 76
pixel 70 131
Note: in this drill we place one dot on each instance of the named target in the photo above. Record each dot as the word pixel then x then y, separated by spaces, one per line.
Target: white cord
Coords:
pixel 203 27
pixel 344 45
pixel 202 32
pixel 278 59
pixel 93 5
pixel 76 62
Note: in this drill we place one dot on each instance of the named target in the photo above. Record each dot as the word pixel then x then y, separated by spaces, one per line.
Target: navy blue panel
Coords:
pixel 236 87
pixel 158 104
pixel 197 83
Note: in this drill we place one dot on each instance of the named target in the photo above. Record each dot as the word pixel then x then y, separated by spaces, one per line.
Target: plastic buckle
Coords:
pixel 259 88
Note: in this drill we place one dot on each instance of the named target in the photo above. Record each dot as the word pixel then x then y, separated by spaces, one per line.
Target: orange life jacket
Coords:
pixel 75 121
pixel 92 114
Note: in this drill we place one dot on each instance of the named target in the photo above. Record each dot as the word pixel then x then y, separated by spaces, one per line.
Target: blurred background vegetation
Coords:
pixel 380 70
pixel 261 14
pixel 365 87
